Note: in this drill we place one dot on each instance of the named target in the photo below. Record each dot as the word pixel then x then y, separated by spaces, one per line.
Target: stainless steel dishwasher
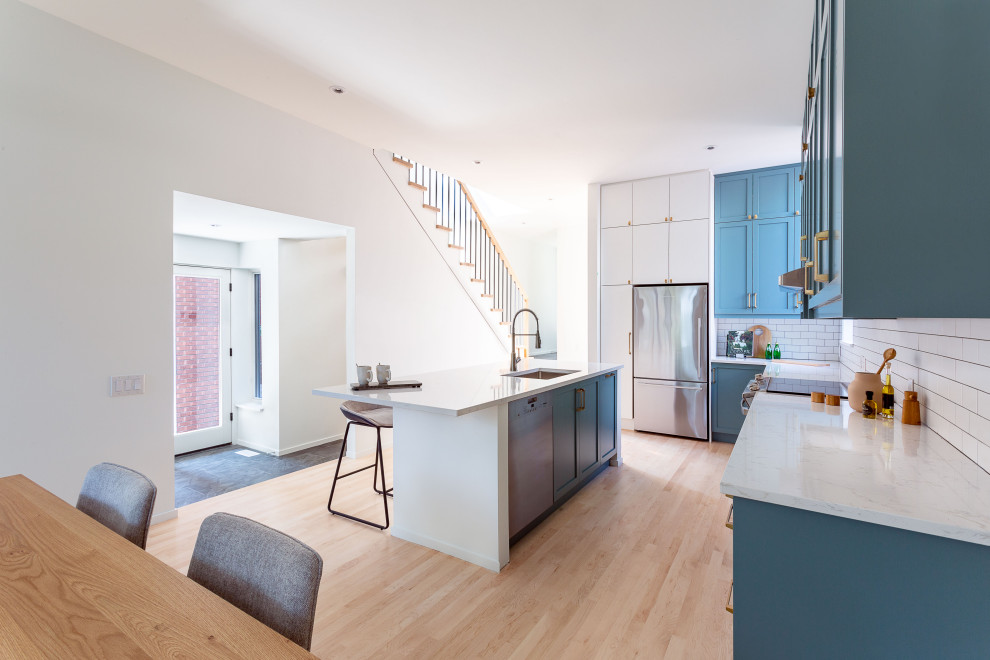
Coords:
pixel 530 459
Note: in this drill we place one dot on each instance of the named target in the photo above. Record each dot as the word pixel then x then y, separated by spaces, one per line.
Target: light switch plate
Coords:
pixel 126 385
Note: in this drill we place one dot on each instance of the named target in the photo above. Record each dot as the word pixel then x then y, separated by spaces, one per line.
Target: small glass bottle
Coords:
pixel 776 351
pixel 869 406
pixel 887 397
pixel 768 354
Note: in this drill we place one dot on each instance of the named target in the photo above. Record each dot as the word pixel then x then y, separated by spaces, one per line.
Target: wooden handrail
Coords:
pixel 491 236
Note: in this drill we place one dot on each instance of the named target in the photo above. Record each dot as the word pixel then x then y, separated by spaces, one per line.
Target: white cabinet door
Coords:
pixel 616 338
pixel 616 207
pixel 689 251
pixel 616 256
pixel 689 195
pixel 651 200
pixel 649 253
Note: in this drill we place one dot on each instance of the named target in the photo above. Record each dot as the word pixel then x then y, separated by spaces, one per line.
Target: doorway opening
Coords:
pixel 249 349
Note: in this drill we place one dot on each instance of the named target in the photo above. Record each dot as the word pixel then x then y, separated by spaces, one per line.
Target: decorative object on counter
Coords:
pixel 887 397
pixel 888 355
pixel 383 373
pixel 768 353
pixel 776 351
pixel 869 406
pixel 833 400
pixel 818 397
pixel 739 343
pixel 911 411
pixel 393 385
pixel 861 382
pixel 761 339
pixel 364 374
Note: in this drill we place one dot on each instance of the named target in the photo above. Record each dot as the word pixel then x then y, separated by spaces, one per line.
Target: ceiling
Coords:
pixel 204 217
pixel 549 95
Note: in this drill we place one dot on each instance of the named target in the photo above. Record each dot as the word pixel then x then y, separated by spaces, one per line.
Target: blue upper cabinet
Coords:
pixel 773 193
pixel 757 239
pixel 733 197
pixel 733 268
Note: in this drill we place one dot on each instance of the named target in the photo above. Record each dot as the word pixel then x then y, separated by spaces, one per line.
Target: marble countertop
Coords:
pixel 722 359
pixel 831 460
pixel 465 390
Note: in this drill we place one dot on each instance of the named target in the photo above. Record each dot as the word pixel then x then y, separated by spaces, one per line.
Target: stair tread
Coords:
pixel 464 263
pixel 431 208
pixel 418 186
pixel 444 228
pixel 404 163
pixel 475 279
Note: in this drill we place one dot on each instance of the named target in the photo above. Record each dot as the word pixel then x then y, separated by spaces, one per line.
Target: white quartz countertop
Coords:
pixel 831 460
pixel 465 390
pixel 722 359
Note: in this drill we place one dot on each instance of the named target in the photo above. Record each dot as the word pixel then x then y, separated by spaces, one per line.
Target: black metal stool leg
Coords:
pixel 388 491
pixel 379 461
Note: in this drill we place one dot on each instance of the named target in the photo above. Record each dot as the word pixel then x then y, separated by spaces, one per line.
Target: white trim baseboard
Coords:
pixel 166 515
pixel 307 445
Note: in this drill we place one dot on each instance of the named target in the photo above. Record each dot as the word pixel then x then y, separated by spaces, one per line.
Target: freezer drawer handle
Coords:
pixel 676 387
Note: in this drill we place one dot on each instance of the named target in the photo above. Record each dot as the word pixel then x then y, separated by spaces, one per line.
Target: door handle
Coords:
pixel 630 343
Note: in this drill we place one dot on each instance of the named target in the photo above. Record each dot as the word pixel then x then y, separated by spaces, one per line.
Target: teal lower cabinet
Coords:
pixel 584 439
pixel 728 383
pixel 812 585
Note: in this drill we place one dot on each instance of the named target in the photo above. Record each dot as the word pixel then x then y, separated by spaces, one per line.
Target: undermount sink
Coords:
pixel 541 374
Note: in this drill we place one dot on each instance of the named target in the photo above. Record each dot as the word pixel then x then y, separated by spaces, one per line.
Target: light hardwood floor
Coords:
pixel 638 564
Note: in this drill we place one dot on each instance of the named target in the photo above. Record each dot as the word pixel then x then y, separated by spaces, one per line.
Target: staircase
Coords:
pixel 452 219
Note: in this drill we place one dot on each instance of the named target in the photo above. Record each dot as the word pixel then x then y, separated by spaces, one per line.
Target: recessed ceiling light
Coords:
pixel 477 162
pixel 216 225
pixel 337 89
pixel 711 147
pixel 549 199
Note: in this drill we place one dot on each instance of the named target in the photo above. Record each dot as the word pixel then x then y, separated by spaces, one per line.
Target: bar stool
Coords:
pixel 378 418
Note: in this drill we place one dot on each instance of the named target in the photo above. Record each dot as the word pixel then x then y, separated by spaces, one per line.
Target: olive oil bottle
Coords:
pixel 887 397
pixel 870 406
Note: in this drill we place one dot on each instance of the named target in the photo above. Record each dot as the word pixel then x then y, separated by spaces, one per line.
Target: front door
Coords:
pixel 201 313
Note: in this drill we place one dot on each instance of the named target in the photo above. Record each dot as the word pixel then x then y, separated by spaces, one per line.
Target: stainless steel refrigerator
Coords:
pixel 670 359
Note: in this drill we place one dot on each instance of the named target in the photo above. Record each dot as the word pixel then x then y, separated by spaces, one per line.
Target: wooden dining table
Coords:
pixel 71 588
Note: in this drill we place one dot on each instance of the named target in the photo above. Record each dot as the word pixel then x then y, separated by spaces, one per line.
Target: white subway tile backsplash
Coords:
pixel 799 339
pixel 947 361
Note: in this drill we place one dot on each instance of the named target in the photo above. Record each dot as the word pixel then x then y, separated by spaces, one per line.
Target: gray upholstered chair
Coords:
pixel 268 574
pixel 119 498
pixel 376 417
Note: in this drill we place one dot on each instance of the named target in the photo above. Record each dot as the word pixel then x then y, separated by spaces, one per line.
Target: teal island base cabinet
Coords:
pixel 728 383
pixel 812 585
pixel 584 442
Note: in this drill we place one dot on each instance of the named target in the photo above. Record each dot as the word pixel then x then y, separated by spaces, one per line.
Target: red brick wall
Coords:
pixel 197 353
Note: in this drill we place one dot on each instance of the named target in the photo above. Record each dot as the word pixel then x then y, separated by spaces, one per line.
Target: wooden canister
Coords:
pixel 833 400
pixel 818 397
pixel 911 411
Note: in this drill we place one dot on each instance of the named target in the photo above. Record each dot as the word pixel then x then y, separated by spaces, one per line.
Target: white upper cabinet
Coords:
pixel 649 253
pixel 617 205
pixel 690 196
pixel 688 252
pixel 651 200
pixel 617 256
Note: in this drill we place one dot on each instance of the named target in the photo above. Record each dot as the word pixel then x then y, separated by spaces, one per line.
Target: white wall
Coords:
pixel 94 140
pixel 535 262
pixel 946 361
pixel 572 291
pixel 312 305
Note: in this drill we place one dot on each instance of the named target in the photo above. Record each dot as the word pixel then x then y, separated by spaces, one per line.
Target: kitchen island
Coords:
pixel 450 455
pixel 855 537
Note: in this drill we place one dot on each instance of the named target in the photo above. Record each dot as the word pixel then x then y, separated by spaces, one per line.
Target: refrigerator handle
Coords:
pixel 697 351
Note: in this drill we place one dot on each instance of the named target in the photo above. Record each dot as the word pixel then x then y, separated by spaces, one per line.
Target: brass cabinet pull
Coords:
pixel 630 343
pixel 749 301
pixel 728 603
pixel 754 301
pixel 797 300
pixel 728 520
pixel 804 146
pixel 811 92
pixel 756 217
pixel 797 213
pixel 583 400
pixel 819 238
